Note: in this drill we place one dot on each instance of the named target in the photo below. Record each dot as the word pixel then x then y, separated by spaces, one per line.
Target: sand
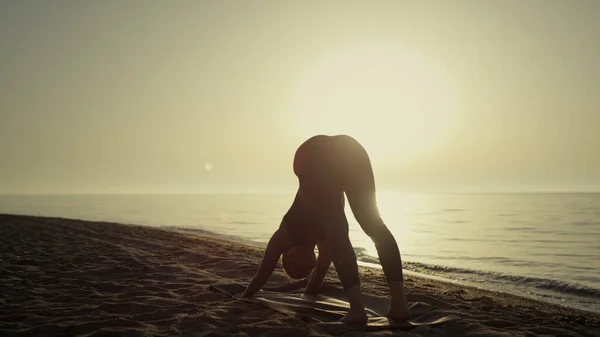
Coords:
pixel 61 277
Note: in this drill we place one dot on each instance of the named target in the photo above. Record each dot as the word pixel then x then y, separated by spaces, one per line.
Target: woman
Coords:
pixel 327 167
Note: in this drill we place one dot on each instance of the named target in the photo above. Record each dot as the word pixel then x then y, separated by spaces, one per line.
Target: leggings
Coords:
pixel 327 167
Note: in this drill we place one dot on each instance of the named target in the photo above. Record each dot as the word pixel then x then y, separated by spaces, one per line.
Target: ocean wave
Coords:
pixel 535 282
pixel 586 223
pixel 524 228
pixel 554 285
pixel 447 271
pixel 194 230
pixel 454 210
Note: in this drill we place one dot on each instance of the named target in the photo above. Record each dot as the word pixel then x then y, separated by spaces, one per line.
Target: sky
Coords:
pixel 194 96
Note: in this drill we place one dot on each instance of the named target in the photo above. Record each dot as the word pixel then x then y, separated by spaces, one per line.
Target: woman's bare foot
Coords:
pixel 357 313
pixel 398 306
pixel 399 312
pixel 355 317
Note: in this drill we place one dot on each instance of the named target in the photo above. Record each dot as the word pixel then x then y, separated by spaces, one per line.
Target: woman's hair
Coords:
pixel 299 261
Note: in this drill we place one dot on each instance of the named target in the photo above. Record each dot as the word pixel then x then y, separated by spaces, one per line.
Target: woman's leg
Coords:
pixel 364 207
pixel 359 186
pixel 335 230
pixel 320 187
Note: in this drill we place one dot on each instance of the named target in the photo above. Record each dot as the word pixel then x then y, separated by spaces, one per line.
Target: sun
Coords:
pixel 395 102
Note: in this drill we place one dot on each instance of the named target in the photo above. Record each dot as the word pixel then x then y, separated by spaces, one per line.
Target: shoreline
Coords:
pixel 365 261
pixel 77 277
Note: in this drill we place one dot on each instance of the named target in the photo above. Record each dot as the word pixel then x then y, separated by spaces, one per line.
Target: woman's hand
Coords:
pixel 317 276
pixel 279 243
pixel 311 289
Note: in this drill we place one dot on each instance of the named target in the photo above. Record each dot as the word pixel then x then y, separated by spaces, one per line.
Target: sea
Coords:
pixel 544 246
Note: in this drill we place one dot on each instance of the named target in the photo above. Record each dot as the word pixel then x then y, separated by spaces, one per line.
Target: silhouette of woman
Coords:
pixel 327 167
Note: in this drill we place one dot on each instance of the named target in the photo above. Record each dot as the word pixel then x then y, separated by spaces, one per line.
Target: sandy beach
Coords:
pixel 61 277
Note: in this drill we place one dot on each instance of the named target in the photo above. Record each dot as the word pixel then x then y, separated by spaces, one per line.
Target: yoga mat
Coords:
pixel 330 305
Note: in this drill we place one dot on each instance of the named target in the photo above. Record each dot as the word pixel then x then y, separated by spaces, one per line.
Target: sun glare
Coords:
pixel 397 104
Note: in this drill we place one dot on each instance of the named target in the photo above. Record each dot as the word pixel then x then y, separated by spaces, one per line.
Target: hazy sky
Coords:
pixel 185 96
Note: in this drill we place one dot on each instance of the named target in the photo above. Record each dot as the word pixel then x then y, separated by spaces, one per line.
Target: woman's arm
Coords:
pixel 318 275
pixel 279 243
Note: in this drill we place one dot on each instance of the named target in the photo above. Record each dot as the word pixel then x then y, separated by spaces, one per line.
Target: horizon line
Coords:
pixel 291 191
